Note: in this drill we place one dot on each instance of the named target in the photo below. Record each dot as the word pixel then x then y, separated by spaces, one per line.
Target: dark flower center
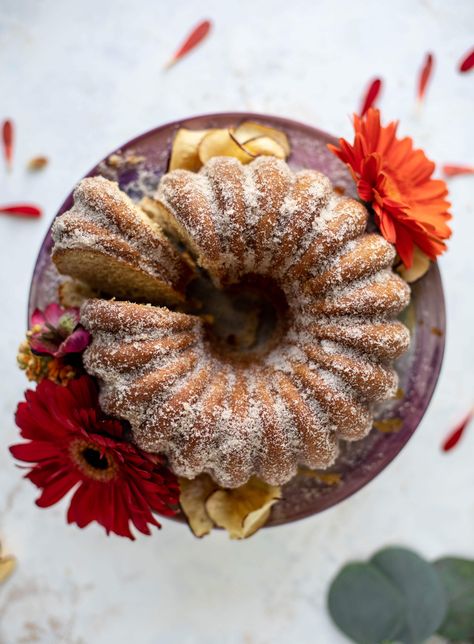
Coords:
pixel 94 458
pixel 93 464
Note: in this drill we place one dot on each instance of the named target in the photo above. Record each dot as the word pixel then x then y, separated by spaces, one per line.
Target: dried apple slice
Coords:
pixel 193 496
pixel 249 130
pixel 184 153
pixel 244 510
pixel 264 146
pixel 219 143
pixel 420 266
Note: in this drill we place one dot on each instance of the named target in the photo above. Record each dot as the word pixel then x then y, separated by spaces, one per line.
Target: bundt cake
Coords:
pixel 289 332
pixel 108 242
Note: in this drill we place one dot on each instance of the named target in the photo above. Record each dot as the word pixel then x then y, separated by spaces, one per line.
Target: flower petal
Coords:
pixel 53 313
pixel 37 318
pixel 41 345
pixel 405 246
pixel 33 452
pixel 55 491
pixel 75 343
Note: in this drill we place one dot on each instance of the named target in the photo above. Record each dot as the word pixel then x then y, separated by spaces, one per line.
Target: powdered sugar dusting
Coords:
pixel 290 404
pixel 104 218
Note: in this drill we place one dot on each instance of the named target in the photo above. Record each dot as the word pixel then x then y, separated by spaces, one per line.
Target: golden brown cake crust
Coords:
pixel 290 404
pixel 108 242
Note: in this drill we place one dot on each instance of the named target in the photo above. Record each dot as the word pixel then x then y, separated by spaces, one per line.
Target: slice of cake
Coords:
pixel 109 243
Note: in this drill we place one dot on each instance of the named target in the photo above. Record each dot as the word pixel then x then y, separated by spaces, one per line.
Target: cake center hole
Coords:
pixel 247 319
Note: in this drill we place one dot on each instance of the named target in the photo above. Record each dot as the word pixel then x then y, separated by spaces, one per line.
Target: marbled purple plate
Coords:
pixel 359 462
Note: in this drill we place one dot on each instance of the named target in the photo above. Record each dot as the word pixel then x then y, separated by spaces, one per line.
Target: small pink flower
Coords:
pixel 56 332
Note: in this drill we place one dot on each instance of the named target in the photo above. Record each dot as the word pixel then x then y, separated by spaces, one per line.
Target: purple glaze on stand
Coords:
pixel 419 369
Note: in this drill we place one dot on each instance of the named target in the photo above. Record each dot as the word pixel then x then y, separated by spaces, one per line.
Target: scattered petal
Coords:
pixel 456 170
pixel 7 139
pixel 467 63
pixel 455 436
pixel 371 95
pixel 21 210
pixel 196 36
pixel 425 75
pixel 37 163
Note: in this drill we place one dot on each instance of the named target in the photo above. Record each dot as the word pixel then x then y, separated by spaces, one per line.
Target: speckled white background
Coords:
pixel 80 78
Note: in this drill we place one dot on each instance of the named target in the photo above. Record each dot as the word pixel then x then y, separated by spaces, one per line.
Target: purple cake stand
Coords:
pixel 308 493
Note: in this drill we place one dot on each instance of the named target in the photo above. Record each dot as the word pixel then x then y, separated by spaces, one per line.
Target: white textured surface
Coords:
pixel 79 78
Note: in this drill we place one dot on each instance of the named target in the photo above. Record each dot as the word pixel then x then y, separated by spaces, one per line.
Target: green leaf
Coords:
pixel 457 577
pixel 420 585
pixel 365 605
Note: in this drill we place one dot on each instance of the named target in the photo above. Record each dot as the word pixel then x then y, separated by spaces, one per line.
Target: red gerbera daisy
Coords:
pixel 410 207
pixel 74 446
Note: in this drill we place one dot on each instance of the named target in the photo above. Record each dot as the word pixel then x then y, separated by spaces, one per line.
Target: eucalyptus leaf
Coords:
pixel 365 605
pixel 418 582
pixel 457 577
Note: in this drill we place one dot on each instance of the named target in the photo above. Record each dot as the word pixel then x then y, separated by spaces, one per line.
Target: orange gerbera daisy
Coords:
pixel 410 207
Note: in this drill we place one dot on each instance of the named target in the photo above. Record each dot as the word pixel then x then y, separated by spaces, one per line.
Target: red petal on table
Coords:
pixel 455 436
pixel 21 210
pixel 456 170
pixel 371 95
pixel 425 75
pixel 467 62
pixel 7 140
pixel 196 36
